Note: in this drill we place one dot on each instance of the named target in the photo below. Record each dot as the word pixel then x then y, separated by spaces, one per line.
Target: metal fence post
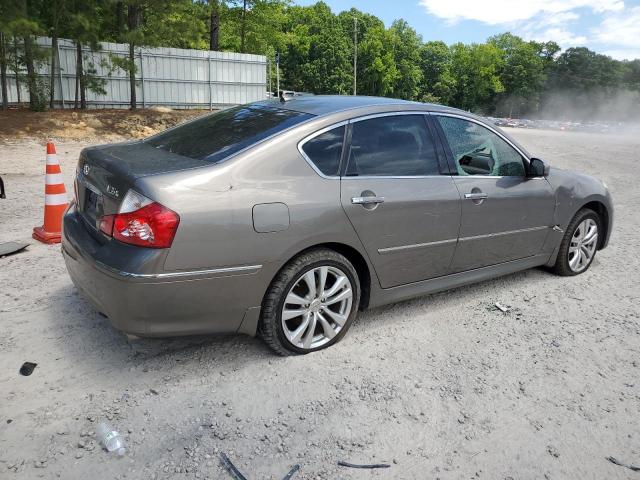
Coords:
pixel 210 88
pixel 60 77
pixel 142 77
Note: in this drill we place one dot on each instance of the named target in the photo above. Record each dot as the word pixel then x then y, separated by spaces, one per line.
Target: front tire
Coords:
pixel 579 244
pixel 311 303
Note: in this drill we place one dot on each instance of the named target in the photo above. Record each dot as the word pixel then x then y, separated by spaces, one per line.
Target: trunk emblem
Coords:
pixel 113 191
pixel 86 169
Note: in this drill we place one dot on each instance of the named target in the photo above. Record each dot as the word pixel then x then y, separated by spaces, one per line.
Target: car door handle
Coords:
pixel 366 200
pixel 475 196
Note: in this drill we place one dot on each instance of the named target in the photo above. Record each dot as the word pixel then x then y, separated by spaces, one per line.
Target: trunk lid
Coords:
pixel 105 173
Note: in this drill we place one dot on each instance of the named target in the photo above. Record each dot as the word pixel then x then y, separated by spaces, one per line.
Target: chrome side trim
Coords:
pixel 384 251
pixel 241 270
pixel 499 234
pixel 371 177
pixel 388 114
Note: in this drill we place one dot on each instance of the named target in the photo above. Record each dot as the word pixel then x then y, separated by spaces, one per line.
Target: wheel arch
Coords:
pixel 601 210
pixel 352 254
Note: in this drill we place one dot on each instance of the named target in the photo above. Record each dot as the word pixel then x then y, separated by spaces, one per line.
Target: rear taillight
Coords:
pixel 141 221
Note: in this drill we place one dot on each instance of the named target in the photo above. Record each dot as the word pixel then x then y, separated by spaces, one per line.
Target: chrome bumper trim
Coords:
pixel 240 270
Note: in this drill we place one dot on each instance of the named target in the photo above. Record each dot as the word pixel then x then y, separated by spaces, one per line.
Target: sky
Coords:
pixel 611 27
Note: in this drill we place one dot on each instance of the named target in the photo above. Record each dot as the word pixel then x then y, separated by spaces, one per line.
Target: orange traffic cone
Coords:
pixel 55 200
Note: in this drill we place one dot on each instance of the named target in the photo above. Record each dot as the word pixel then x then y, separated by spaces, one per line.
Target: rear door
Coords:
pixel 406 213
pixel 506 215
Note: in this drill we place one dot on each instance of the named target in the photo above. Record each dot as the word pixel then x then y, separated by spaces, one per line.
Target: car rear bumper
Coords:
pixel 160 304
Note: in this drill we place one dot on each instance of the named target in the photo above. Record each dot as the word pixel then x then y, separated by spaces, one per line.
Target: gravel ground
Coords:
pixel 443 386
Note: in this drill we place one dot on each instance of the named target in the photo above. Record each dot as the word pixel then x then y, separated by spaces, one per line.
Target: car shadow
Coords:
pixel 486 291
pixel 87 333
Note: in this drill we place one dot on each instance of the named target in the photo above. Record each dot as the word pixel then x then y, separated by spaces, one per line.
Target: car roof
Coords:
pixel 326 104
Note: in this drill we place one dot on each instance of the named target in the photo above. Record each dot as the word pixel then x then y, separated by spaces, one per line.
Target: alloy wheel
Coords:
pixel 583 245
pixel 317 307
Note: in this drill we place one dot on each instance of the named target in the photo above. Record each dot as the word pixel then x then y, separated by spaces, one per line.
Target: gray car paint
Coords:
pixel 215 275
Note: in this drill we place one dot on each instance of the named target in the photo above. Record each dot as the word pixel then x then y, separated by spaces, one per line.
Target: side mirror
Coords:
pixel 537 168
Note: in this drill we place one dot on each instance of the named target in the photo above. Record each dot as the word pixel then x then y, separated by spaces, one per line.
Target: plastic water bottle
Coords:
pixel 110 438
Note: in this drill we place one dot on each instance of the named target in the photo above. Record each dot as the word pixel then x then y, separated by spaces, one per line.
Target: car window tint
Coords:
pixel 478 151
pixel 214 137
pixel 325 150
pixel 392 146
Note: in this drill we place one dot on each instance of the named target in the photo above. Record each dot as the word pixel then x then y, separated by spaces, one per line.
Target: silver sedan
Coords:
pixel 285 218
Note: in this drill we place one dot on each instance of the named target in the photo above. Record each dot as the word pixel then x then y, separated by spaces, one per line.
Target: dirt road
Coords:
pixel 443 386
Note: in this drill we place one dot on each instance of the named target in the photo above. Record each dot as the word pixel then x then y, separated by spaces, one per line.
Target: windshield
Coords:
pixel 214 137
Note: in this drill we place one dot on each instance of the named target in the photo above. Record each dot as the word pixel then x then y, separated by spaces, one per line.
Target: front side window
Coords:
pixel 325 150
pixel 214 137
pixel 398 145
pixel 478 151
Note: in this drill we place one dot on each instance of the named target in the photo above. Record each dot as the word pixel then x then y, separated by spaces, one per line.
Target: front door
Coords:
pixel 506 215
pixel 405 212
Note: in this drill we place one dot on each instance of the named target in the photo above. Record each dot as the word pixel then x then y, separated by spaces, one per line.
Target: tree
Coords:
pixel 476 69
pixel 521 73
pixel 3 71
pixel 54 14
pixel 176 23
pixel 318 55
pixel 9 13
pixel 377 70
pixel 214 25
pixel 83 26
pixel 406 52
pixel 435 62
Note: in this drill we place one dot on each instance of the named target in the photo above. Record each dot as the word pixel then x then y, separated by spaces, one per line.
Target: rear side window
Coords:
pixel 324 150
pixel 214 137
pixel 392 146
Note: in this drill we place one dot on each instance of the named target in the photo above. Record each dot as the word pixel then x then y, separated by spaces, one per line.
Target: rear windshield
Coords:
pixel 214 137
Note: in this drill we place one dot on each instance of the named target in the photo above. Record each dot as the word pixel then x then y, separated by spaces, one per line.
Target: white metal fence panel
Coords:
pixel 174 77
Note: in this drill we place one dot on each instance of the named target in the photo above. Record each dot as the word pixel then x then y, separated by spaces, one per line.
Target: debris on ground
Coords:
pixel 9 248
pixel 27 368
pixel 501 307
pixel 110 439
pixel 231 468
pixel 237 474
pixel 292 472
pixel 342 463
pixel 621 464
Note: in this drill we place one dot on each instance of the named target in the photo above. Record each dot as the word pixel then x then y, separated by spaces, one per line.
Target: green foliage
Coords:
pixel 476 69
pixel 377 70
pixel 318 55
pixel 506 75
pixel 522 74
pixel 438 83
pixel 406 52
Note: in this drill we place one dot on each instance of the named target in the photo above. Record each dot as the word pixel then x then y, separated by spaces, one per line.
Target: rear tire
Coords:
pixel 318 294
pixel 579 244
